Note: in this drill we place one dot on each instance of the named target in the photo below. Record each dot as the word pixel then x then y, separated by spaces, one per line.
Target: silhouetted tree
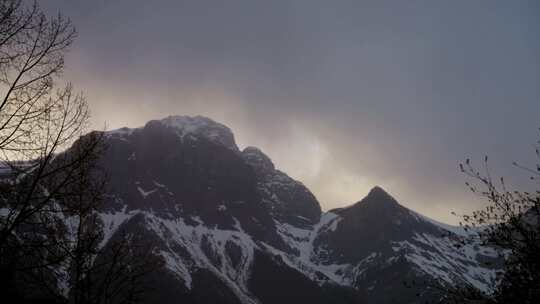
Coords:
pixel 510 223
pixel 50 233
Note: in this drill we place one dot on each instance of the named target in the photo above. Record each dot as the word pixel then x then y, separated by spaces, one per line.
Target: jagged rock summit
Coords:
pixel 231 228
pixel 377 200
pixel 203 127
pixel 192 127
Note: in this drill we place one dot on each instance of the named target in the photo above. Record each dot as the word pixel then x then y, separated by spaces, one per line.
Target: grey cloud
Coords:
pixel 341 94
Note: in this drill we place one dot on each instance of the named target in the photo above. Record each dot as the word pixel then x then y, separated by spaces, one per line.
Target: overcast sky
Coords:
pixel 342 95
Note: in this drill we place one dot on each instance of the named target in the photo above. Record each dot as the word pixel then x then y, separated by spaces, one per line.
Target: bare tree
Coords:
pixel 96 272
pixel 510 223
pixel 36 121
pixel 50 233
pixel 69 258
pixel 35 118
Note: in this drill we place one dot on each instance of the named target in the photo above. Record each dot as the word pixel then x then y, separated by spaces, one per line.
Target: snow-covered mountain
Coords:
pixel 233 229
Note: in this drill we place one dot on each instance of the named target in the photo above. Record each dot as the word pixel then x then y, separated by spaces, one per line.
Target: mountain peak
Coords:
pixel 183 121
pixel 377 200
pixel 192 126
pixel 378 194
pixel 201 126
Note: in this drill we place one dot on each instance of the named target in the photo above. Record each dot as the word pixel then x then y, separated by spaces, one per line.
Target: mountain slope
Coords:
pixel 233 229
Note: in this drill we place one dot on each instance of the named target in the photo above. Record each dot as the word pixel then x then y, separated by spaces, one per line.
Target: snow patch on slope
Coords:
pixel 305 259
pixel 145 193
pixel 439 258
pixel 111 222
pixel 193 239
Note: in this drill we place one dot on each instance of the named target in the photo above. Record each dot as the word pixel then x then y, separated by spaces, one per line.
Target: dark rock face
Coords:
pixel 274 282
pixel 369 225
pixel 260 162
pixel 289 201
pixel 171 172
pixel 233 229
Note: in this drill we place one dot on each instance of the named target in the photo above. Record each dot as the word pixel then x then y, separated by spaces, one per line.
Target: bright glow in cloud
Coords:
pixel 342 97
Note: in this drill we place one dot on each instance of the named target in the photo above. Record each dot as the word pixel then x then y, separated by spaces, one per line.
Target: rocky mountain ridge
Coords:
pixel 233 229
